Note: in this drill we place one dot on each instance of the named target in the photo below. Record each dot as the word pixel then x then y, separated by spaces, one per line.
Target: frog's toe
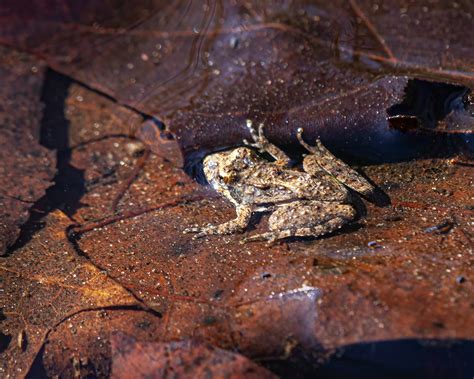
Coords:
pixel 259 237
pixel 191 230
pixel 247 239
pixel 252 144
pixel 198 232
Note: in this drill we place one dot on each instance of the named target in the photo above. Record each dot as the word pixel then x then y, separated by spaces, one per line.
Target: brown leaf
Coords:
pixel 26 168
pixel 112 257
pixel 50 285
pixel 186 359
pixel 267 302
pixel 335 69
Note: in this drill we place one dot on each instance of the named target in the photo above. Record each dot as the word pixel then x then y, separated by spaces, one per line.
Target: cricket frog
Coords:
pixel 312 202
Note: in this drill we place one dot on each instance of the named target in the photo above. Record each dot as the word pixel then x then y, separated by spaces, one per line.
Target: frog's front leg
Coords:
pixel 237 225
pixel 322 159
pixel 261 143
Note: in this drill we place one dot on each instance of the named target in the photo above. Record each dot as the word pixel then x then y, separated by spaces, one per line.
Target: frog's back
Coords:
pixel 320 187
pixel 269 183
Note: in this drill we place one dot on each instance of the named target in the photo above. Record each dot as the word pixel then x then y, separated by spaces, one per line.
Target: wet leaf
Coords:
pixel 335 69
pixel 26 168
pixel 185 359
pixel 111 256
pixel 86 276
pixel 50 285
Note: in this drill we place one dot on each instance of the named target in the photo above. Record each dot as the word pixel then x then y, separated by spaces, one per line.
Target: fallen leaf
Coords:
pixel 27 168
pixel 186 359
pixel 112 256
pixel 337 69
pixel 50 285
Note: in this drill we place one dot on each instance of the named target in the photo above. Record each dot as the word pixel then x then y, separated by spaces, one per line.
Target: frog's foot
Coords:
pixel 269 237
pixel 200 231
pixel 314 231
pixel 262 144
pixel 223 229
pixel 237 225
pixel 299 135
pixel 322 158
pixel 204 231
pixel 318 150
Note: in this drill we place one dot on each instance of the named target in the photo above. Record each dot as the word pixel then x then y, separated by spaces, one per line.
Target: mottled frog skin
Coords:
pixel 312 202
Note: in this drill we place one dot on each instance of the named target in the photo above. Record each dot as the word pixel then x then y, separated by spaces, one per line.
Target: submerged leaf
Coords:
pixel 332 68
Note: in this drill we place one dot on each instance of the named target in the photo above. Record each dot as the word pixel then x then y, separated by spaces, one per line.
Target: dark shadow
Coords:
pixel 5 340
pixel 37 370
pixel 425 104
pixel 404 358
pixel 379 198
pixel 69 184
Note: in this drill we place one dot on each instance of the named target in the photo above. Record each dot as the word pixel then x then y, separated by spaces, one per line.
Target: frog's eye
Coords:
pixel 211 164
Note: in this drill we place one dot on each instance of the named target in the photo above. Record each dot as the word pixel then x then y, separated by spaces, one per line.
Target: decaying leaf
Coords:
pixel 377 82
pixel 26 167
pixel 335 69
pixel 49 285
pixel 186 359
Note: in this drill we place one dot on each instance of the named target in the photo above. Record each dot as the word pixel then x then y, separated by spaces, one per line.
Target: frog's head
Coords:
pixel 223 168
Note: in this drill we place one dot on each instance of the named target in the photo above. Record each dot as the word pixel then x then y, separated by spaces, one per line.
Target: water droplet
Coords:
pixel 234 42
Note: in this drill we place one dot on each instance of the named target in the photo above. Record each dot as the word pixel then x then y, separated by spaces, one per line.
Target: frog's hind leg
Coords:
pixel 322 159
pixel 313 231
pixel 270 237
pixel 305 219
pixel 261 143
pixel 237 225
